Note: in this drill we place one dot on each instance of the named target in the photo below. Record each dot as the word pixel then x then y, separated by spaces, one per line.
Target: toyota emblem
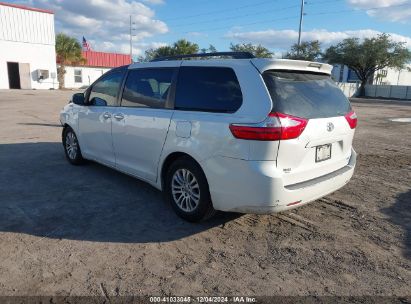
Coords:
pixel 330 126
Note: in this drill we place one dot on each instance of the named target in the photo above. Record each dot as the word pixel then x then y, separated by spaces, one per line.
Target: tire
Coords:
pixel 72 147
pixel 186 189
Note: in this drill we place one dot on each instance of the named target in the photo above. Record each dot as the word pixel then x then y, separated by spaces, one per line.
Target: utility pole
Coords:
pixel 131 39
pixel 301 24
pixel 131 42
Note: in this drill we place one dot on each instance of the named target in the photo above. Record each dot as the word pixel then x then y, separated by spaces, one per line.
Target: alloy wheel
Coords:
pixel 71 145
pixel 185 190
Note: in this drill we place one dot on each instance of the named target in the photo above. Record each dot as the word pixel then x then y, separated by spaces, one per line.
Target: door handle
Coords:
pixel 107 115
pixel 119 116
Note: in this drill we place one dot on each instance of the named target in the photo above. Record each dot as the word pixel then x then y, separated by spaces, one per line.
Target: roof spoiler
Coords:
pixel 263 65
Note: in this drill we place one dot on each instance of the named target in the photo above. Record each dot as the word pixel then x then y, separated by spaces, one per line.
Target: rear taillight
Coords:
pixel 276 126
pixel 351 119
pixel 291 126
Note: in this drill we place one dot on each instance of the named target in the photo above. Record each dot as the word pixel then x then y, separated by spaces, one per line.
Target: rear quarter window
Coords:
pixel 304 94
pixel 208 89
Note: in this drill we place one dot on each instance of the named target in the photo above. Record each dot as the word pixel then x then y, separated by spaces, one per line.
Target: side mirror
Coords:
pixel 78 99
pixel 96 101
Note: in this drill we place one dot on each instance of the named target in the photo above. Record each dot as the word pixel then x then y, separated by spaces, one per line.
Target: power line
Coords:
pixel 357 10
pixel 296 16
pixel 238 16
pixel 234 17
pixel 181 3
pixel 302 14
pixel 245 24
pixel 321 2
pixel 223 10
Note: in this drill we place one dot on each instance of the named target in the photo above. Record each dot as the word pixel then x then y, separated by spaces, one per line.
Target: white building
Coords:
pixel 81 76
pixel 96 64
pixel 387 76
pixel 27 48
pixel 394 76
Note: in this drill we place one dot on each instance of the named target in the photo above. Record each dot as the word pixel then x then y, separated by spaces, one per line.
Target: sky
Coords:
pixel 272 23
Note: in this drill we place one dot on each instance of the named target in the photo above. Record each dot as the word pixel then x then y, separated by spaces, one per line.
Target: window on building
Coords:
pixel 147 87
pixel 105 91
pixel 208 89
pixel 78 76
pixel 352 76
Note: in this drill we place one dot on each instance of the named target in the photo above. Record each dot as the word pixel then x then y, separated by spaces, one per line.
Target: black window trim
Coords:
pixel 208 111
pixel 169 104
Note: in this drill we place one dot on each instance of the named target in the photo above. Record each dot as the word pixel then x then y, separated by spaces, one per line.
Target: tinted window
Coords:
pixel 305 95
pixel 208 89
pixel 106 88
pixel 147 88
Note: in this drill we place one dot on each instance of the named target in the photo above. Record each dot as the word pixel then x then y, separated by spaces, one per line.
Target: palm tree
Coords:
pixel 68 51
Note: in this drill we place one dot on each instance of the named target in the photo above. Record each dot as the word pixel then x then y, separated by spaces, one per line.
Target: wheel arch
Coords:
pixel 65 126
pixel 172 157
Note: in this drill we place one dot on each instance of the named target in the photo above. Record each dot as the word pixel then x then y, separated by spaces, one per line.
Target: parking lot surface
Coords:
pixel 89 230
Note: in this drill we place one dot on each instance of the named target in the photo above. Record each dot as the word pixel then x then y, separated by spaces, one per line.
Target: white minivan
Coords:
pixel 242 134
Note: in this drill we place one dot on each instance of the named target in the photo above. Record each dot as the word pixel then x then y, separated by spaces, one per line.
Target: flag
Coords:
pixel 86 45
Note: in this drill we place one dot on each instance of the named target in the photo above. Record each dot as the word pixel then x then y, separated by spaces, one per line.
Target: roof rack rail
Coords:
pixel 234 55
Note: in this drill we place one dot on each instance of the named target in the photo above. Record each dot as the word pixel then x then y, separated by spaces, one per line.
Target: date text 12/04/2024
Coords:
pixel 203 299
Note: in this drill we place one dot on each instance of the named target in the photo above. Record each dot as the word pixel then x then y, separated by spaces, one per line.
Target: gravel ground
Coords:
pixel 89 230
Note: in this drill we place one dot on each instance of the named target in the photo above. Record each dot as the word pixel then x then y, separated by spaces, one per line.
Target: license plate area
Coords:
pixel 322 153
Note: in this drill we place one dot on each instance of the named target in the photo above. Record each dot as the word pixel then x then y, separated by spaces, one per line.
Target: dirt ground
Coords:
pixel 89 230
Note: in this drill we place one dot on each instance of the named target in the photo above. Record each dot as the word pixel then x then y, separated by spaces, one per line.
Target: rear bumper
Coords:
pixel 257 186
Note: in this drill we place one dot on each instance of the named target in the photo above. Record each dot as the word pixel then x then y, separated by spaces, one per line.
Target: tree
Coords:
pixel 68 51
pixel 256 50
pixel 367 57
pixel 162 51
pixel 211 49
pixel 184 47
pixel 180 47
pixel 308 50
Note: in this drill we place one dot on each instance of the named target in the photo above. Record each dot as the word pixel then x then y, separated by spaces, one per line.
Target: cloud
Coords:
pixel 283 39
pixel 197 34
pixel 105 23
pixel 394 10
pixel 154 2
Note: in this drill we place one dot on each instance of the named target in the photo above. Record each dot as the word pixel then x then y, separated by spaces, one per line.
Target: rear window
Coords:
pixel 305 94
pixel 208 89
